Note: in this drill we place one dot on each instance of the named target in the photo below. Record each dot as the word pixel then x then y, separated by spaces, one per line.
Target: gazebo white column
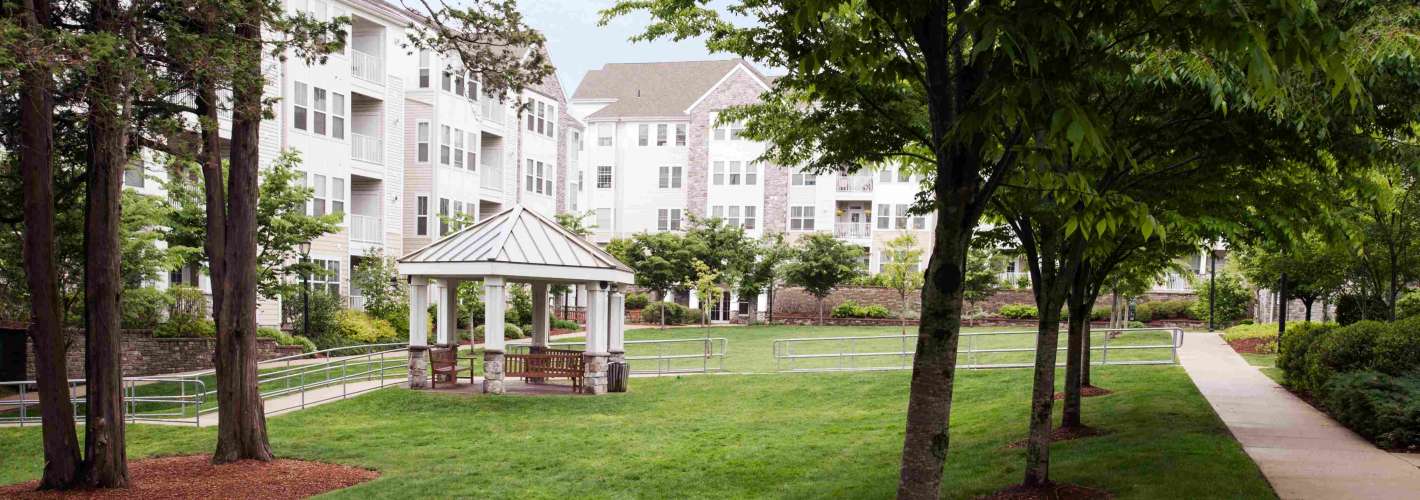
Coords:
pixel 539 314
pixel 448 312
pixel 493 306
pixel 418 333
pixel 594 379
pixel 616 325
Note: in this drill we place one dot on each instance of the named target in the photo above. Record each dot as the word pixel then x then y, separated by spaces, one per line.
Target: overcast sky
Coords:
pixel 578 45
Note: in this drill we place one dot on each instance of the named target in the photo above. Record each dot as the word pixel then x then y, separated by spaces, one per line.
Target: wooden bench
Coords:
pixel 541 364
pixel 444 364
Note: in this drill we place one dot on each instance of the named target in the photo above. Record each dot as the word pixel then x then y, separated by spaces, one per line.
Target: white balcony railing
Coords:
pixel 365 228
pixel 492 109
pixel 366 67
pixel 1013 278
pixel 366 148
pixel 852 229
pixel 492 176
pixel 357 302
pixel 854 184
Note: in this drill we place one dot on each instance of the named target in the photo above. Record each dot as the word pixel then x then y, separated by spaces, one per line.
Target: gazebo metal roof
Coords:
pixel 518 244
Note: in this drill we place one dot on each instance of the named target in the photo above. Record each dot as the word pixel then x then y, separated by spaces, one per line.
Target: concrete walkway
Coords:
pixel 1301 451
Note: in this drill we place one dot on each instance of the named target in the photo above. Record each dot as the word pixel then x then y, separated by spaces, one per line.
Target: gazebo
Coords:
pixel 516 245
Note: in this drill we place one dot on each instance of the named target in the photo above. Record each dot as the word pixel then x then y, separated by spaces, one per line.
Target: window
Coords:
pixel 541 116
pixel 668 219
pixel 643 135
pixel 445 137
pixel 680 134
pixel 337 115
pixel 421 216
pixel 133 175
pixel 731 132
pixel 443 216
pixel 670 177
pixel 326 276
pixel 471 159
pixel 884 215
pixel 719 134
pixel 538 177
pixel 605 133
pixel 422 139
pixel 901 219
pixel 604 177
pixel 802 179
pixel 423 69
pixel 458 209
pixel 894 175
pixel 749 216
pixel 458 148
pixel 337 195
pixel 751 173
pixel 733 217
pixel 447 83
pixel 717 212
pixel 458 84
pixel 661 134
pixel 801 218
pixel 318 119
pixel 604 219
pixel 919 222
pixel 318 200
pixel 717 173
pixel 299 106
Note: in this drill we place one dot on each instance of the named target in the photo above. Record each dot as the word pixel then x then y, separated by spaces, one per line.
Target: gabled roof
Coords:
pixel 662 89
pixel 514 236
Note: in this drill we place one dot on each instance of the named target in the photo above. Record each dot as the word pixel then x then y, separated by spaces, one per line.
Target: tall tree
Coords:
pixel 763 272
pixel 33 20
pixel 901 270
pixel 821 264
pixel 661 261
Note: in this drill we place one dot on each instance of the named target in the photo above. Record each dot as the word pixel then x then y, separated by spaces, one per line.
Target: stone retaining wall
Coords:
pixel 793 301
pixel 144 354
pixel 806 320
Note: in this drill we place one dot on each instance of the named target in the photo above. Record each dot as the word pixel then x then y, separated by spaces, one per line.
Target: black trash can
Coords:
pixel 617 375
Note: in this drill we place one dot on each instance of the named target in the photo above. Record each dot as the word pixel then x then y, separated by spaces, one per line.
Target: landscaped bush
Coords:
pixel 142 308
pixel 1352 308
pixel 187 314
pixel 1397 349
pixel 283 338
pixel 1382 407
pixel 1100 313
pixel 1166 309
pixel 1019 311
pixel 1408 305
pixel 324 306
pixel 851 309
pixel 636 301
pixel 1295 350
pixel 565 324
pixel 1248 334
pixel 1229 305
pixel 510 332
pixel 1345 349
pixel 675 313
pixel 360 328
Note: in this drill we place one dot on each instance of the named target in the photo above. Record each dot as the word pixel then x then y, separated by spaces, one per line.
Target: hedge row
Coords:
pixel 1027 311
pixel 1366 374
pixel 851 309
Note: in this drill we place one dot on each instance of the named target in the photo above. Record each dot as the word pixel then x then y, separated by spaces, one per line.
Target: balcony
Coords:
pixel 357 302
pixel 852 230
pixel 367 67
pixel 491 176
pixel 365 228
pixel 366 148
pixel 855 184
pixel 492 110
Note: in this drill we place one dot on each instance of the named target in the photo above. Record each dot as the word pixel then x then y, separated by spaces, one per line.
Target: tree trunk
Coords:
pixel 903 315
pixel 105 464
pixel 1307 302
pixel 820 311
pixel 241 421
pixel 1085 357
pixel 1075 349
pixel 61 444
pixel 769 314
pixel 1042 400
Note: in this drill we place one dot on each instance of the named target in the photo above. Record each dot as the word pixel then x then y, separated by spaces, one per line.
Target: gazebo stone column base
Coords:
pixel 617 357
pixel 418 367
pixel 493 372
pixel 594 380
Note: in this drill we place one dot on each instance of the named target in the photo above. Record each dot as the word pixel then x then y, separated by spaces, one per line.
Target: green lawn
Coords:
pixel 1265 362
pixel 750 349
pixel 732 436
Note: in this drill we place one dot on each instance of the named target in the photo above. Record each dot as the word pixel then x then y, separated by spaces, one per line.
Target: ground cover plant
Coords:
pixel 799 435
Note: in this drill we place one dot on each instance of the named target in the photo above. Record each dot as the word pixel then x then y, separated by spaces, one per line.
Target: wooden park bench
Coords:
pixel 542 364
pixel 444 365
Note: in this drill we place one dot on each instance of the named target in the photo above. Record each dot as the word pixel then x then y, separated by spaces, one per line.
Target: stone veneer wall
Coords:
pixel 144 354
pixel 740 88
pixel 793 301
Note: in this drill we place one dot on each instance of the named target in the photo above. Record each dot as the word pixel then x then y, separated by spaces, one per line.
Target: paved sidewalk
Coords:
pixel 1303 452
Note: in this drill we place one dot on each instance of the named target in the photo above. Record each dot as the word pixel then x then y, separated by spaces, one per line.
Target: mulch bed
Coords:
pixel 1051 492
pixel 1059 434
pixel 1088 391
pixel 1251 346
pixel 194 476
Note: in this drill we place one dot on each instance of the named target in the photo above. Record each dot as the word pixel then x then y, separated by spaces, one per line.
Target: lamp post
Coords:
pixel 1216 254
pixel 305 248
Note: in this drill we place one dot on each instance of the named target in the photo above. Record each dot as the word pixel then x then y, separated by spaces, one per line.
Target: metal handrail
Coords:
pixel 848 352
pixel 713 348
pixel 186 404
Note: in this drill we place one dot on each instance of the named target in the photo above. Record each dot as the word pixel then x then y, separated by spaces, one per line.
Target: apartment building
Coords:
pixel 394 139
pixel 655 154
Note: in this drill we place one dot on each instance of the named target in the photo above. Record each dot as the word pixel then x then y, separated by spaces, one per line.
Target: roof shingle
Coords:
pixel 659 89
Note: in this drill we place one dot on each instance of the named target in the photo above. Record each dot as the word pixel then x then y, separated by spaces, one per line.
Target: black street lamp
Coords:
pixel 306 289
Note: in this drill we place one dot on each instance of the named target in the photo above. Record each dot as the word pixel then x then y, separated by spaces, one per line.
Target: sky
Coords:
pixel 578 45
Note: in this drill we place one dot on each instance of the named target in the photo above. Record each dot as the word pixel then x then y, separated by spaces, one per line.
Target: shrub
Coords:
pixel 1166 309
pixel 1266 331
pixel 1099 313
pixel 1230 303
pixel 187 314
pixel 283 338
pixel 1295 350
pixel 1144 312
pixel 850 309
pixel 1352 308
pixel 1348 348
pixel 637 300
pixel 1397 349
pixel 1408 305
pixel 1019 311
pixel 693 316
pixel 510 332
pixel 360 328
pixel 142 308
pixel 845 309
pixel 675 313
pixel 565 324
pixel 876 311
pixel 324 306
pixel 1383 408
pixel 1135 324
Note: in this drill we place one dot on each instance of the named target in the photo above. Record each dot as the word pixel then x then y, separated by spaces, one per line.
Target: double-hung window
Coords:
pixel 538 178
pixel 643 135
pixel 326 277
pixel 884 216
pixel 668 219
pixel 300 106
pixel 320 196
pixel 422 139
pixel 447 82
pixel 318 119
pixel 604 177
pixel 445 140
pixel 749 216
pixel 605 133
pixel 421 216
pixel 604 219
pixel 717 173
pixel 670 177
pixel 661 134
pixel 458 148
pixel 443 216
pixel 337 115
pixel 803 179
pixel 337 195
pixel 751 173
pixel 901 219
pixel 801 218
pixel 424 69
pixel 471 160
pixel 680 134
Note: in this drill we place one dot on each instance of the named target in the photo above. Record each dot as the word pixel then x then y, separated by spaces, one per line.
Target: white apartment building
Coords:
pixel 655 155
pixel 393 139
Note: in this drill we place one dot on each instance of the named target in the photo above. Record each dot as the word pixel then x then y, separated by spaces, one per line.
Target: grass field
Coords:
pixel 792 435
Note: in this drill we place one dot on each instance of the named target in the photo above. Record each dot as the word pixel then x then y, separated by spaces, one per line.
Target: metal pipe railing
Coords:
pixel 843 353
